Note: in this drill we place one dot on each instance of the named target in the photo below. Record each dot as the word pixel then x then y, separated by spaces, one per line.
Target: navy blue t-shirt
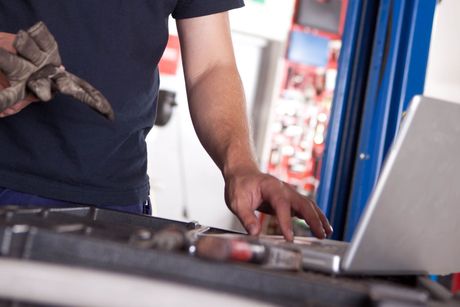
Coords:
pixel 62 149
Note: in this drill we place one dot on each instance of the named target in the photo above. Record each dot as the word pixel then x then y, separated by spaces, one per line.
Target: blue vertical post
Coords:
pixel 397 73
pixel 343 130
pixel 412 59
pixel 337 117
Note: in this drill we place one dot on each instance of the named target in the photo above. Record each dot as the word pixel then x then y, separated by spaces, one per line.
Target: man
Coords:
pixel 62 152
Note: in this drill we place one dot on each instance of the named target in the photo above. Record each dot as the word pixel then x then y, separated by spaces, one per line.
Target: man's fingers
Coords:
pixel 308 212
pixel 283 214
pixel 287 201
pixel 15 108
pixel 327 226
pixel 22 104
pixel 276 193
pixel 6 41
pixel 7 112
pixel 248 218
pixel 266 208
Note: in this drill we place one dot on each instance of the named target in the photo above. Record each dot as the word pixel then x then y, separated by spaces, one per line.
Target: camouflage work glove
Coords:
pixel 53 78
pixel 37 68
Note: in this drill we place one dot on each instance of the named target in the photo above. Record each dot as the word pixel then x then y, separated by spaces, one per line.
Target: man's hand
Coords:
pixel 31 63
pixel 6 42
pixel 250 190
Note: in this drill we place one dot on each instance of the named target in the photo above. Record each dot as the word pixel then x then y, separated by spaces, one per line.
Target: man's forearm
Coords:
pixel 218 112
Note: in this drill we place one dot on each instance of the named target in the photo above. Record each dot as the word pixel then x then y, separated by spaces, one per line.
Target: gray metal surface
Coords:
pixel 63 252
pixel 102 239
pixel 412 221
pixel 58 285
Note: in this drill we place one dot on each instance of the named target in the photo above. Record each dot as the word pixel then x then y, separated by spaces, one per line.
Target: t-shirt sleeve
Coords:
pixel 196 8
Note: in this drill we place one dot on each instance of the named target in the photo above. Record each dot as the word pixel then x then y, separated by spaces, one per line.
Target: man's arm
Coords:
pixel 217 107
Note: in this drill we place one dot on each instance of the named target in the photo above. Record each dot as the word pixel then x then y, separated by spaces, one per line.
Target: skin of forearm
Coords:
pixel 218 111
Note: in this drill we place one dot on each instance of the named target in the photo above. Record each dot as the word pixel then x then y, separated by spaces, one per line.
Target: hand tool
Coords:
pixel 249 250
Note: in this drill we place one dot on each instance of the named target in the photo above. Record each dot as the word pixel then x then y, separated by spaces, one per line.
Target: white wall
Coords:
pixel 271 19
pixel 443 74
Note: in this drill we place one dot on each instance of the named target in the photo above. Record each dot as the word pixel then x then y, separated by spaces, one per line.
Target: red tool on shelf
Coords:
pixel 456 283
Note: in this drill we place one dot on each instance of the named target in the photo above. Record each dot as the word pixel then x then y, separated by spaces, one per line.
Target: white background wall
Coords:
pixel 443 75
pixel 271 19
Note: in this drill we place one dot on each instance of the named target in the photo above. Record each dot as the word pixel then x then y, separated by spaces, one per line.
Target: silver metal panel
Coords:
pixel 317 255
pixel 412 220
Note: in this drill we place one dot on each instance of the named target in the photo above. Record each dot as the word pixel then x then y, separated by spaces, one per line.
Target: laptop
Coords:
pixel 411 223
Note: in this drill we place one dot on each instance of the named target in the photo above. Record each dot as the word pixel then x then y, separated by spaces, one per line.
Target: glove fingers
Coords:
pixel 8 62
pixel 40 82
pixel 12 66
pixel 28 49
pixel 42 37
pixel 97 101
pixel 41 88
pixel 11 95
pixel 71 85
